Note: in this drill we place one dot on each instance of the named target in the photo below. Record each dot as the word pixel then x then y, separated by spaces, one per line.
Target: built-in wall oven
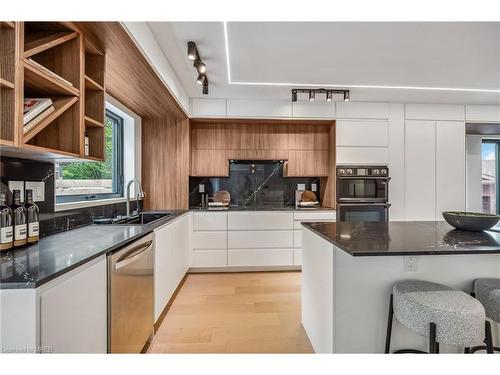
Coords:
pixel 363 193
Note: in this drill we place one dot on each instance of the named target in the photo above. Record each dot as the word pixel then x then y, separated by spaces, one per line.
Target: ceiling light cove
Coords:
pixel 346 86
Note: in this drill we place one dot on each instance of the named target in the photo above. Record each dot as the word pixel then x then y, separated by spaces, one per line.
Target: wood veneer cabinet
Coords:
pixel 48 60
pixel 305 145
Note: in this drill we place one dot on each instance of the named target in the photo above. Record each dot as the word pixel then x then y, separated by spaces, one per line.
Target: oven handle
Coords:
pixel 363 204
pixel 363 178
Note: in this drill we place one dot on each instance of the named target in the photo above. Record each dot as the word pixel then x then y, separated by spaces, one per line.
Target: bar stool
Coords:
pixel 487 291
pixel 437 311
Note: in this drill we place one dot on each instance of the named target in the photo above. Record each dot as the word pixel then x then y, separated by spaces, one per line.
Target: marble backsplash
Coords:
pixel 253 184
pixel 13 169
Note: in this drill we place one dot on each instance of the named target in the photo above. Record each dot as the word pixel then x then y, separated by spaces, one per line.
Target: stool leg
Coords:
pixel 467 350
pixel 389 328
pixel 489 338
pixel 433 345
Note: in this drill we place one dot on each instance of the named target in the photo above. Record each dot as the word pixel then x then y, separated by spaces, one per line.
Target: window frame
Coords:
pixel 496 142
pixel 117 168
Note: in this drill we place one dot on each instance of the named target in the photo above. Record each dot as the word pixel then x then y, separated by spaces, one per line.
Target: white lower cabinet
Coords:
pixel 171 260
pixel 250 239
pixel 73 310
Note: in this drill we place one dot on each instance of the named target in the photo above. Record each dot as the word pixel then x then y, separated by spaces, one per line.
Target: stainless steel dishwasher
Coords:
pixel 131 296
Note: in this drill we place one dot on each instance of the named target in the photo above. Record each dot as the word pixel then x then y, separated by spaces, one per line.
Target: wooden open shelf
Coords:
pixel 92 85
pixel 7 78
pixel 90 122
pixel 60 104
pixel 41 41
pixel 36 80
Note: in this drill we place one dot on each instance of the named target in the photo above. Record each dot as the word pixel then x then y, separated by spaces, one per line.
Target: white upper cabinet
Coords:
pixel 482 113
pixel 362 133
pixel 324 110
pixel 362 155
pixel 258 108
pixel 420 171
pixel 450 167
pixel 360 110
pixel 435 112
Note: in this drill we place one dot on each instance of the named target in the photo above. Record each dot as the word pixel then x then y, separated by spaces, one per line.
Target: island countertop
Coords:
pixel 405 238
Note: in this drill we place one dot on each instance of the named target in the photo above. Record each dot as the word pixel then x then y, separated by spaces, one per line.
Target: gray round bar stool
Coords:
pixel 437 311
pixel 487 291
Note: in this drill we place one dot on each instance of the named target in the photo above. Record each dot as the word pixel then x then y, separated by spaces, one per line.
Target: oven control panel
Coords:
pixel 362 171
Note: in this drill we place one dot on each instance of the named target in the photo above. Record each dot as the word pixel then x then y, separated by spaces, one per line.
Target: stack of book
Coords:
pixel 35 110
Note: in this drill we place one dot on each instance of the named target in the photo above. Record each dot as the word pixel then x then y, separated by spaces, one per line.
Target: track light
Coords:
pixel 200 67
pixel 328 94
pixel 192 51
pixel 201 79
pixel 205 89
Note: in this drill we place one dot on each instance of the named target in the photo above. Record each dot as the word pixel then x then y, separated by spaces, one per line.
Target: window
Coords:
pixel 489 156
pixel 84 181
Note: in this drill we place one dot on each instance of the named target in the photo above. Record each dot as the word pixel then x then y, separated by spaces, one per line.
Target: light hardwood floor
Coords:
pixel 235 313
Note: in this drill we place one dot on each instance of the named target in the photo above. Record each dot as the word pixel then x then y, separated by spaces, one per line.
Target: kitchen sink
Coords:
pixel 138 219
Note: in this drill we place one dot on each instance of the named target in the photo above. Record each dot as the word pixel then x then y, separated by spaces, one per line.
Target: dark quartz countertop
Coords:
pixel 262 208
pixel 52 256
pixel 405 238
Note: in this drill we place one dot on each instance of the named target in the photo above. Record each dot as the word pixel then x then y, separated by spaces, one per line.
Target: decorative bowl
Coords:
pixel 471 221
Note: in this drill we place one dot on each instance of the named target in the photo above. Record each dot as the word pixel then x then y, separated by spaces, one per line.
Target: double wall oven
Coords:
pixel 362 193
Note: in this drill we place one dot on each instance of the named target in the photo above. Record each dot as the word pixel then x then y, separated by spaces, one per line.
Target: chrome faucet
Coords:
pixel 140 195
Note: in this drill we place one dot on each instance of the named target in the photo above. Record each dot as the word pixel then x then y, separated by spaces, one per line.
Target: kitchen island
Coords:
pixel 349 268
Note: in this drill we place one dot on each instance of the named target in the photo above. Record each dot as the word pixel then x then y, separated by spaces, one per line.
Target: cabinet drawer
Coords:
pixel 312 216
pixel 297 239
pixel 206 221
pixel 210 258
pixel 210 240
pixel 260 257
pixel 297 257
pixel 259 239
pixel 260 220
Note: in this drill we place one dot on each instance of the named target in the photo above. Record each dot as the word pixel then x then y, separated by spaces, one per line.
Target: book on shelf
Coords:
pixel 50 72
pixel 30 125
pixel 33 107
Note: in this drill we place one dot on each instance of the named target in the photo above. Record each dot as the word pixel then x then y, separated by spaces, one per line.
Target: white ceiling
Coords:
pixel 300 54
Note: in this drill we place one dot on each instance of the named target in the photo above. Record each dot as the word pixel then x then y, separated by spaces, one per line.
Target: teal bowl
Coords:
pixel 471 221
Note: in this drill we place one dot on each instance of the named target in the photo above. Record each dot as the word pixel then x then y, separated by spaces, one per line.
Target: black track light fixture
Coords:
pixel 311 93
pixel 194 56
pixel 200 67
pixel 192 51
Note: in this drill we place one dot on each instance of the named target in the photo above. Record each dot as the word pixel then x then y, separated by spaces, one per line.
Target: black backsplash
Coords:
pixel 51 222
pixel 259 183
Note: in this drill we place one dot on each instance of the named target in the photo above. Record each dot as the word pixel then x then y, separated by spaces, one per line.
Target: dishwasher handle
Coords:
pixel 132 255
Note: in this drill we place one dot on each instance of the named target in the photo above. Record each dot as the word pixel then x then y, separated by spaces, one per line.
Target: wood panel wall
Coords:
pixel 165 162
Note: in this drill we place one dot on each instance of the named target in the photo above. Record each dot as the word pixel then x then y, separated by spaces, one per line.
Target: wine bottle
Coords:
pixel 32 215
pixel 6 230
pixel 19 214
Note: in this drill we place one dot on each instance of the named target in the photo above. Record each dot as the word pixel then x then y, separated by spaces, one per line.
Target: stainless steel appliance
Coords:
pixel 131 296
pixel 363 193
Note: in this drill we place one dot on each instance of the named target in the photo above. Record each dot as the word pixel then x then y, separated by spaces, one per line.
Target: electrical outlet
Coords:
pixel 410 264
pixel 301 187
pixel 17 185
pixel 38 188
pixel 201 188
pixel 314 187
